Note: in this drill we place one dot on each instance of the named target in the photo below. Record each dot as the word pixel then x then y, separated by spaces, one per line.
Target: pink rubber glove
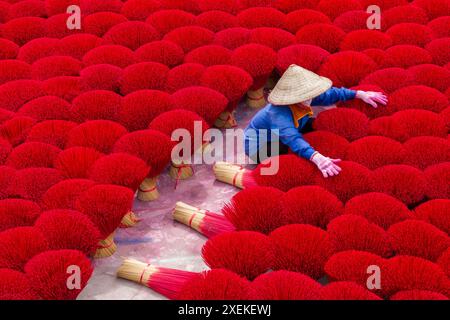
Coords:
pixel 327 166
pixel 372 98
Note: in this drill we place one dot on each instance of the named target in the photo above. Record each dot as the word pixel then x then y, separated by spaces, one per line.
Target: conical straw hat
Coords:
pixel 298 85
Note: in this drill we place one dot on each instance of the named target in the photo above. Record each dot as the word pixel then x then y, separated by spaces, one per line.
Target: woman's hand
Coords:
pixel 326 165
pixel 372 98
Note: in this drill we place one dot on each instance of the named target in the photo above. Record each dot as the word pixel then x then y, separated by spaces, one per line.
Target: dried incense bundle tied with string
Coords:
pixel 18 245
pixel 14 285
pixel 284 285
pixel 48 274
pixel 165 281
pixel 205 222
pixel 230 173
pixel 68 229
pixel 17 213
pixel 171 121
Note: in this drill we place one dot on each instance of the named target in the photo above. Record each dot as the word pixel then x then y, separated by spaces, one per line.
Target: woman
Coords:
pixel 279 125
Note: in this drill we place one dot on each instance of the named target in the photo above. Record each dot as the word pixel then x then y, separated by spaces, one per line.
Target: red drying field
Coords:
pixel 75 109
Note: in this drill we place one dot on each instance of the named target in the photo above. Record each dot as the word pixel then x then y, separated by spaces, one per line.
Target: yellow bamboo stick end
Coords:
pixel 226 120
pixel 188 215
pixel 256 98
pixel 180 170
pixel 106 247
pixel 129 220
pixel 229 173
pixel 136 271
pixel 148 190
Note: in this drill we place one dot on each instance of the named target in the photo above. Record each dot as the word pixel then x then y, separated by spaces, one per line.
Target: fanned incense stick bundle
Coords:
pixel 378 208
pixel 7 174
pixel 143 75
pixel 46 108
pixel 289 171
pixel 64 194
pixel 98 134
pixel 183 76
pixel 18 213
pixel 190 37
pixel 5 149
pixel 205 222
pixel 96 105
pixel 32 183
pixel 274 38
pixel 115 55
pixel 120 169
pixel 419 239
pixel 308 56
pixel 246 253
pixel 437 177
pixel 75 163
pixel 170 121
pixel 284 285
pixel 140 107
pixel 30 51
pixel 352 266
pixel 162 51
pixel 154 148
pixel 170 19
pixel 48 273
pixel 232 38
pixel 216 20
pixel 33 155
pixel 106 206
pixel 435 212
pixel 131 34
pixel 354 232
pixel 246 211
pixel 14 285
pixel 15 130
pixel 100 76
pixel 209 55
pixel 217 284
pixel 206 102
pixel 409 273
pixel 302 248
pixel 344 290
pixel 259 61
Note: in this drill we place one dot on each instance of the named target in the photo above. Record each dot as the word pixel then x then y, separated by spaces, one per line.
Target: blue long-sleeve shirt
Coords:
pixel 279 124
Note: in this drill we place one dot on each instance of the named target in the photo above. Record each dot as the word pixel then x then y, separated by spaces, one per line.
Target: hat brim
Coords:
pixel 299 94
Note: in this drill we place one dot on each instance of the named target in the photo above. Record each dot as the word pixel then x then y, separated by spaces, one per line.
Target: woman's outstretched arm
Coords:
pixel 335 95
